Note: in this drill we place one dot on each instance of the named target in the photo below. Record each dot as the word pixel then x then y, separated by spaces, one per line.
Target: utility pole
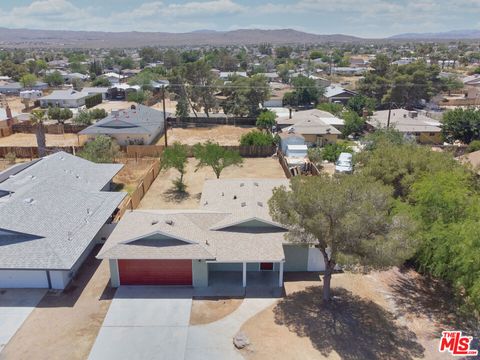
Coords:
pixel 164 116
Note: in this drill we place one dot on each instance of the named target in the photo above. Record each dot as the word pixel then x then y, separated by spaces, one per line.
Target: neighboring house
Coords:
pixel 347 70
pixel 10 88
pixel 75 76
pixel 31 95
pixel 53 211
pixel 7 117
pixel 411 124
pixel 64 99
pixel 316 126
pixel 337 94
pixel 272 76
pixel 97 90
pixel 472 80
pixel 140 125
pixel 230 239
pixel 114 78
pixel 226 75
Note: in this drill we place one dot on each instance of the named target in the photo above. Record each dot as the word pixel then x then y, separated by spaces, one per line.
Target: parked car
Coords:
pixel 344 164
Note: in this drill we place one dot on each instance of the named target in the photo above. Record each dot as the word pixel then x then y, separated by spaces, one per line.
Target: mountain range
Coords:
pixel 28 38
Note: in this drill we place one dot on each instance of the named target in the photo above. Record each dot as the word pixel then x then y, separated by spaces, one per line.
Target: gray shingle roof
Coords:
pixel 402 121
pixel 208 233
pixel 142 120
pixel 52 211
pixel 65 95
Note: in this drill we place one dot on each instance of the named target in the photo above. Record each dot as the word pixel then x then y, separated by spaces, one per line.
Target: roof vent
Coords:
pixel 89 211
pixel 260 204
pixel 29 200
pixel 169 222
pixel 256 184
pixel 234 197
pixel 242 184
pixel 154 222
pixel 244 204
pixel 223 194
pixel 205 203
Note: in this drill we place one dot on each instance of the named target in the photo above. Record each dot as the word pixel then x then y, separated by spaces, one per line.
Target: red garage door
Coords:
pixel 155 272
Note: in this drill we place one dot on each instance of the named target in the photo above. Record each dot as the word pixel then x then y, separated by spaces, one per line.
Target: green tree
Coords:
pixel 140 97
pixel 176 156
pixel 461 124
pixel 332 108
pixel 306 90
pixel 315 156
pixel 353 123
pixel 54 79
pixel 101 81
pixel 244 95
pixel 331 152
pixel 28 80
pixel 215 156
pixel 266 120
pixel 256 138
pixel 350 219
pixel 359 103
pixel 102 149
pixel 38 118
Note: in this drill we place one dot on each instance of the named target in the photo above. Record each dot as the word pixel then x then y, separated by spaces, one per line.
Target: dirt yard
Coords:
pixel 26 140
pixel 383 315
pixel 161 196
pixel 65 325
pixel 223 134
pixel 129 177
pixel 208 310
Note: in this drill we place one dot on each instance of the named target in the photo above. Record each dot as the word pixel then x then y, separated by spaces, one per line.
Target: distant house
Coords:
pixel 140 125
pixel 97 90
pixel 53 211
pixel 472 80
pixel 411 124
pixel 64 99
pixel 68 77
pixel 347 70
pixel 317 127
pixel 226 75
pixel 14 88
pixel 7 117
pixel 337 94
pixel 272 76
pixel 114 78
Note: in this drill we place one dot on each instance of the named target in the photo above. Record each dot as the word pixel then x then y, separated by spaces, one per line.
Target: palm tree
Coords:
pixel 37 121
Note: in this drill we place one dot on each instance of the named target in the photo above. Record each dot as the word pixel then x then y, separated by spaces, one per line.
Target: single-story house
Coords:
pixel 68 77
pixel 230 236
pixel 64 99
pixel 53 211
pixel 347 70
pixel 472 80
pixel 316 126
pixel 272 76
pixel 140 125
pixel 226 75
pixel 10 88
pixel 337 94
pixel 114 78
pixel 7 117
pixel 97 90
pixel 423 129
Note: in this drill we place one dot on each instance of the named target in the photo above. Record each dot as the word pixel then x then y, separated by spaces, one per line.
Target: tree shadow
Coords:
pixel 353 327
pixel 173 195
pixel 434 299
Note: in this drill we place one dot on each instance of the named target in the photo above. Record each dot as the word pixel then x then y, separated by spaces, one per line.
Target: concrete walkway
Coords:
pixel 145 323
pixel 214 341
pixel 15 306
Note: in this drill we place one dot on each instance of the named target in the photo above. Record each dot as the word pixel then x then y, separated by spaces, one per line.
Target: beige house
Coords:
pixel 411 124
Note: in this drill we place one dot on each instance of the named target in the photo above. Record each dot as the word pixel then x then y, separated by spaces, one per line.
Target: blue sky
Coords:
pixel 368 18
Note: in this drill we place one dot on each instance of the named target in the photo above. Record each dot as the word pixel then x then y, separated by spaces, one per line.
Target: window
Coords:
pixel 431 134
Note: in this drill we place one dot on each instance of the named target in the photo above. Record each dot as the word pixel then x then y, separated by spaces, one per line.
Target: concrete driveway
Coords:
pixel 145 323
pixel 15 306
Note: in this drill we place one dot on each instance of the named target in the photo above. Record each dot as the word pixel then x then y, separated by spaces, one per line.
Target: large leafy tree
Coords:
pixel 28 80
pixel 244 95
pixel 176 157
pixel 348 218
pixel 461 124
pixel 102 149
pixel 306 91
pixel 266 120
pixel 202 86
pixel 215 156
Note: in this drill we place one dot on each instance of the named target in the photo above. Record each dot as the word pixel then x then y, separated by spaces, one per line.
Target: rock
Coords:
pixel 241 340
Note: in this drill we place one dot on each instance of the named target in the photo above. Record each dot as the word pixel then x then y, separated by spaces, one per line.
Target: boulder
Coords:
pixel 241 340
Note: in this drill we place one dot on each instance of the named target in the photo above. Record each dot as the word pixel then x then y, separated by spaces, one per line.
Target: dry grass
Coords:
pixel 133 171
pixel 65 325
pixel 389 314
pixel 208 310
pixel 223 134
pixel 161 196
pixel 26 140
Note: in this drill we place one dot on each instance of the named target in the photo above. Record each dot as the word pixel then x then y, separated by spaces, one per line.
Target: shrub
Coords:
pixel 10 157
pixel 256 138
pixel 473 146
pixel 331 152
pixel 315 156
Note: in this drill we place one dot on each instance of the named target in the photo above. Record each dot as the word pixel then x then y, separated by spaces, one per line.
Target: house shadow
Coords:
pixel 353 327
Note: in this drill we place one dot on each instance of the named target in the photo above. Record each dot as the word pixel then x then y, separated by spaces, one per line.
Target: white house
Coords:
pixel 64 99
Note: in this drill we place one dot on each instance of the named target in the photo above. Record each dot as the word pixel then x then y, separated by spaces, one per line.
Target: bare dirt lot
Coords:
pixel 161 196
pixel 114 105
pixel 222 134
pixel 383 315
pixel 207 310
pixel 26 140
pixel 65 325
pixel 129 177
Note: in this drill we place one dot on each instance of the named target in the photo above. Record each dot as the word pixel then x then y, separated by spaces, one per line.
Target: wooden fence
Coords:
pixel 49 129
pixel 283 164
pixel 156 150
pixel 31 152
pixel 132 201
pixel 4 132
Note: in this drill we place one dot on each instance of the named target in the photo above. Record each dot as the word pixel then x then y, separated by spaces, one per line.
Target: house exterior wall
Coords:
pixel 114 277
pixel 59 279
pixel 23 279
pixel 315 260
pixel 199 273
pixel 291 140
pixel 321 140
pixel 225 266
pixel 296 258
pixel 426 138
pixel 63 103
